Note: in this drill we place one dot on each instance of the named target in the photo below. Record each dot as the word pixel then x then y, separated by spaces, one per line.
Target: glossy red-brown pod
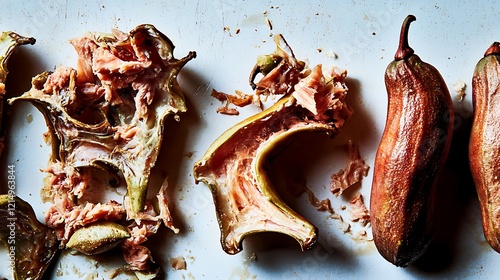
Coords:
pixel 410 156
pixel 484 145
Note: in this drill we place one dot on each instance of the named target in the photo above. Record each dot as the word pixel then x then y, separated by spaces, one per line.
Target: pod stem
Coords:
pixel 494 49
pixel 404 49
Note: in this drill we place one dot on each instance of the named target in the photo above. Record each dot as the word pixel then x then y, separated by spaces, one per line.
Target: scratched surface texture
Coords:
pixel 360 36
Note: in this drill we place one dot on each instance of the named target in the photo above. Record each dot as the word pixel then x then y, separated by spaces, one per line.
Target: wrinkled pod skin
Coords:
pixel 35 245
pixel 410 156
pixel 484 144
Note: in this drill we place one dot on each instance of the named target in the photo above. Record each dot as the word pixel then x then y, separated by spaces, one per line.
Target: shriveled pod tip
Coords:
pixel 494 49
pixel 404 49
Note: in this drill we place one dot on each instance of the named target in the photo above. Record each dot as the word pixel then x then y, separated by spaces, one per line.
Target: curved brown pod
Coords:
pixel 410 156
pixel 484 145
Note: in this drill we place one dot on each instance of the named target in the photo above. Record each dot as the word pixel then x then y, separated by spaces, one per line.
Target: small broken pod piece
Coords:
pixel 97 237
pixel 484 144
pixel 31 244
pixel 110 110
pixel 411 154
pixel 9 41
pixel 235 165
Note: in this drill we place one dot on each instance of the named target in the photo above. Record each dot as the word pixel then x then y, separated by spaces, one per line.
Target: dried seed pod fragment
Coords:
pixel 9 41
pixel 111 109
pixel 234 167
pixel 31 244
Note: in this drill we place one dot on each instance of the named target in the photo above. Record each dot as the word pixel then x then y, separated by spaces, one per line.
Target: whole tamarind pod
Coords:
pixel 484 144
pixel 410 156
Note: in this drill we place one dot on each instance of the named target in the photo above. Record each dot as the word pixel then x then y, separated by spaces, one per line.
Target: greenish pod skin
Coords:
pixel 410 156
pixel 97 237
pixel 484 144
pixel 33 246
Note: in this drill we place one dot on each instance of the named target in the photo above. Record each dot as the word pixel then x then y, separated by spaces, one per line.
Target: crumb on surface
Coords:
pixel 459 88
pixel 178 263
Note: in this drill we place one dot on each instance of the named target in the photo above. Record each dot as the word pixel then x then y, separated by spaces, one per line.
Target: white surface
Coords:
pixel 450 35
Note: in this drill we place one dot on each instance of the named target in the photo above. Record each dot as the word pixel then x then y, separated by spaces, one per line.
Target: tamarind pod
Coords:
pixel 410 156
pixel 484 144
